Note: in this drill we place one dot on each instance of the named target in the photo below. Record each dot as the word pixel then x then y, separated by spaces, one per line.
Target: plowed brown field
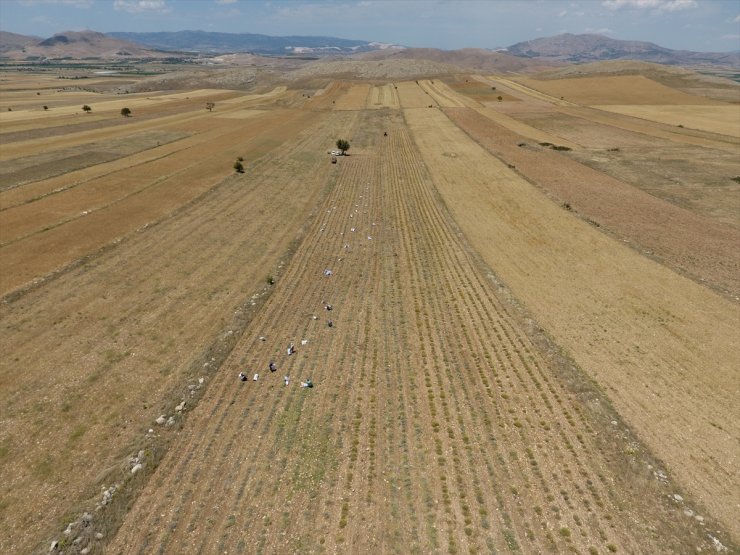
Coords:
pixel 497 374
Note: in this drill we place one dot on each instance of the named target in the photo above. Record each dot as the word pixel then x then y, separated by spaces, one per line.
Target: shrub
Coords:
pixel 125 112
pixel 343 145
pixel 239 167
pixel 86 108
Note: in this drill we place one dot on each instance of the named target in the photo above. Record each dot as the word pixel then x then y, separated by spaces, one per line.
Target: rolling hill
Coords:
pixel 589 47
pixel 72 44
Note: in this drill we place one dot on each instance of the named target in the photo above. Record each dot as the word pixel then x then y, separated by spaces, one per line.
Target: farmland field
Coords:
pixel 529 350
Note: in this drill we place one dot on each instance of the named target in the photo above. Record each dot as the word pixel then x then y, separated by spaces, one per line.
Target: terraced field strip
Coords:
pixel 434 424
pixel 353 99
pixel 383 96
pixel 28 130
pixel 445 96
pixel 455 99
pixel 132 101
pixel 684 136
pixel 694 137
pixel 326 98
pixel 659 344
pixel 278 474
pixel 411 95
pixel 724 120
pixel 271 96
pixel 518 87
pixel 694 244
pixel 104 209
pixel 131 326
pixel 614 89
pixel 185 116
pixel 70 194
pixel 43 165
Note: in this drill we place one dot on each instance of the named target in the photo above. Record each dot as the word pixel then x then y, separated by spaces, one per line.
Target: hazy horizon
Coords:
pixel 699 25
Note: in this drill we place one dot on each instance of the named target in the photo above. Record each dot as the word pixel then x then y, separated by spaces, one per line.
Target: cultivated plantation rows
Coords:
pixel 111 339
pixel 509 354
pixel 434 424
pixel 661 344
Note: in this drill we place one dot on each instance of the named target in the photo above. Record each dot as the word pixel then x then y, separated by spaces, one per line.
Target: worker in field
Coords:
pixel 242 376
pixel 291 349
pixel 330 324
pixel 272 366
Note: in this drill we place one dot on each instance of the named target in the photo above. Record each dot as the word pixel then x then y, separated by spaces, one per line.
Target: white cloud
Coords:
pixel 737 19
pixel 563 13
pixel 659 6
pixel 730 37
pixel 678 5
pixel 141 6
pixel 74 3
pixel 602 31
pixel 226 1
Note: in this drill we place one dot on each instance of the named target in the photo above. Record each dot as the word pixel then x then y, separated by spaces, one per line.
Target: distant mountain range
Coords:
pixel 71 45
pixel 590 48
pixel 12 41
pixel 223 43
pixel 560 48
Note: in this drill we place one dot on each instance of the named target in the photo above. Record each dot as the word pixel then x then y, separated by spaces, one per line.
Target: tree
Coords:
pixel 86 108
pixel 343 146
pixel 210 106
pixel 239 167
pixel 125 112
pixel 500 98
pixel 46 107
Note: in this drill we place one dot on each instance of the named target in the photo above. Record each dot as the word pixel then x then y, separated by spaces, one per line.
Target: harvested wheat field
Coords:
pixel 511 348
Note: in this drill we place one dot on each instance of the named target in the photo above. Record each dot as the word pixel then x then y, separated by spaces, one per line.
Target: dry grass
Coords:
pixel 476 392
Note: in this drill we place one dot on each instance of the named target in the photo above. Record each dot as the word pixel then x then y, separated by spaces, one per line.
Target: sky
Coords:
pixel 700 25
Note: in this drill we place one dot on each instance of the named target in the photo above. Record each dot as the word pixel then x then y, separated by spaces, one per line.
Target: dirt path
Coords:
pixel 660 345
pixel 434 424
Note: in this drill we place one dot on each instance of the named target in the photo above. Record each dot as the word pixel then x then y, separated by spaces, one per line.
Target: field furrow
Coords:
pixel 659 345
pixel 144 324
pixel 503 321
pixel 434 424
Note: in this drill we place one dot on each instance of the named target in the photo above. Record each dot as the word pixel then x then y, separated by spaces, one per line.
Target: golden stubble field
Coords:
pixel 501 373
